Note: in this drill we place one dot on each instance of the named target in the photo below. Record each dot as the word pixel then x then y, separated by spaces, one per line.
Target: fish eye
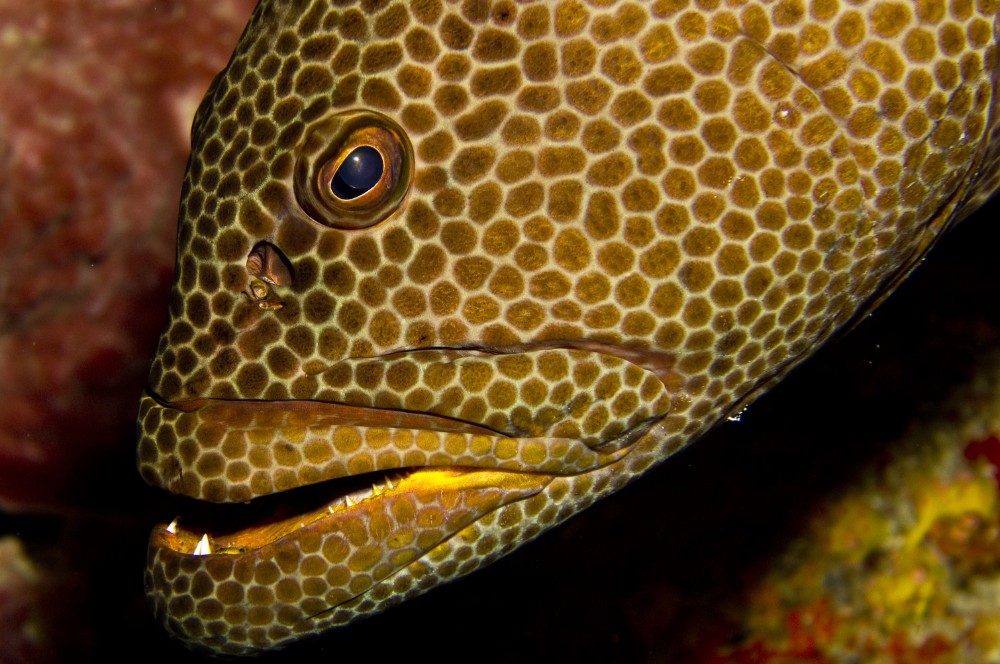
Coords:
pixel 353 170
pixel 358 173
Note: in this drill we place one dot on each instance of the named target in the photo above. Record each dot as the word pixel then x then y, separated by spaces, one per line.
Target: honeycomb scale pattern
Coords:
pixel 219 455
pixel 615 222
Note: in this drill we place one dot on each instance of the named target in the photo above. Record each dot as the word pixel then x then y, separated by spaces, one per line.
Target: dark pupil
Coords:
pixel 358 173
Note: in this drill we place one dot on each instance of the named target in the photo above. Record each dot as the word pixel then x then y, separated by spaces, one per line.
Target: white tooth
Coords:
pixel 172 528
pixel 348 501
pixel 203 548
pixel 329 508
pixel 389 483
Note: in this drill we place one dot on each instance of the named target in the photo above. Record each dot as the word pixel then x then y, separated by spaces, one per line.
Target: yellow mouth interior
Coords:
pixel 211 530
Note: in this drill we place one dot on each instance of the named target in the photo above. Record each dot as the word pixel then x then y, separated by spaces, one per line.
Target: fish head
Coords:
pixel 497 259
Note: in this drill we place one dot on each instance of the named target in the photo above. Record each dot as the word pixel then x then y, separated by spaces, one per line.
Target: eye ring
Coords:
pixel 353 170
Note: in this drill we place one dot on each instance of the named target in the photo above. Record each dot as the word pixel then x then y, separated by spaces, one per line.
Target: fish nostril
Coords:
pixel 267 266
pixel 268 263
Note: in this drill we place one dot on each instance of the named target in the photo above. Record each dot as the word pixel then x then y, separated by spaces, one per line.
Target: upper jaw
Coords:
pixel 554 411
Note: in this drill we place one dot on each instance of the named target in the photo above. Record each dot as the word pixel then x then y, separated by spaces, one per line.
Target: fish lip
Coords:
pixel 333 412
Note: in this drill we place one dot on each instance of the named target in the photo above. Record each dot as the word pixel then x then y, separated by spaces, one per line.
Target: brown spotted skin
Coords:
pixel 603 227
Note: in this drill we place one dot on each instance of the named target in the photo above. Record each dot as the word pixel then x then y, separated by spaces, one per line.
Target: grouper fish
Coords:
pixel 465 268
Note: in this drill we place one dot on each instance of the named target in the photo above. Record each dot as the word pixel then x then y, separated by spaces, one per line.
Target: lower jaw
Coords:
pixel 245 590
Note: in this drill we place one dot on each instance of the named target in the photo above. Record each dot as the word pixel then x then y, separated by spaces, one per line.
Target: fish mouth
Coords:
pixel 369 494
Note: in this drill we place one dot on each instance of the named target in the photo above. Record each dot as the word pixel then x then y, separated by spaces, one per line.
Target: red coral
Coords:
pixel 95 104
pixel 989 449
